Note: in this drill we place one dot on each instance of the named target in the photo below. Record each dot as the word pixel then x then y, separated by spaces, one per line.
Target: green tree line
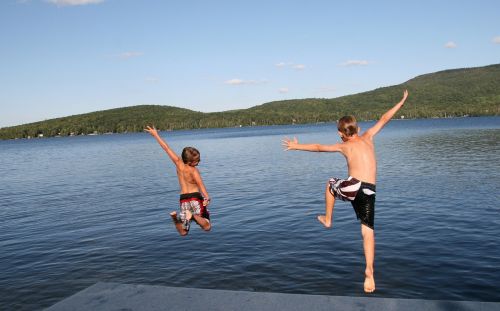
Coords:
pixel 450 93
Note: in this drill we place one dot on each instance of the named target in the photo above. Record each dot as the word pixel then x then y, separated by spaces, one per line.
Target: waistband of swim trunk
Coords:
pixel 363 183
pixel 195 195
pixel 368 185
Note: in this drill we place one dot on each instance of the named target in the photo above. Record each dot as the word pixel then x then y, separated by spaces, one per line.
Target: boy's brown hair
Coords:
pixel 348 126
pixel 190 154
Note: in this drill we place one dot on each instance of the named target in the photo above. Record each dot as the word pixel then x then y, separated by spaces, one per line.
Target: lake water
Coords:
pixel 78 210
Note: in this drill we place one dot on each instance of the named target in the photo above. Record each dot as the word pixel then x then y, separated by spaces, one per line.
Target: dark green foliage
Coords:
pixel 458 92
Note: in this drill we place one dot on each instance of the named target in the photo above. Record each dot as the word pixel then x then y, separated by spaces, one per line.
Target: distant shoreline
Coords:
pixel 246 127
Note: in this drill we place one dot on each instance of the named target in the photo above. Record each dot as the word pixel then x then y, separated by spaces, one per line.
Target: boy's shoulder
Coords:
pixel 359 140
pixel 367 135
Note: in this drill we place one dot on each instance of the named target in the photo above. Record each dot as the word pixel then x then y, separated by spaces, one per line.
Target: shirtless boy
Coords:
pixel 193 204
pixel 359 187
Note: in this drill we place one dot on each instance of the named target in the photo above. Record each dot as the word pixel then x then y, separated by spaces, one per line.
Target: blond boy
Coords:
pixel 193 204
pixel 359 187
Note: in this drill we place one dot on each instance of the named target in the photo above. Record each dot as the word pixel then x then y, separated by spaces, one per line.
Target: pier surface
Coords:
pixel 115 296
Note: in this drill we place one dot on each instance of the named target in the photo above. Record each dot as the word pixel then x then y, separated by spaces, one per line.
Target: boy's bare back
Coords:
pixel 359 152
pixel 189 178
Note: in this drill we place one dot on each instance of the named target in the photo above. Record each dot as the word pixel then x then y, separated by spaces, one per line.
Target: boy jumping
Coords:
pixel 193 204
pixel 359 187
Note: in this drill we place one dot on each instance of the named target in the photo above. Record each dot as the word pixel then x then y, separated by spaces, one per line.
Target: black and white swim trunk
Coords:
pixel 360 194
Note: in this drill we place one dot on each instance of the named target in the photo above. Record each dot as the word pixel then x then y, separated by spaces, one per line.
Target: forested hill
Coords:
pixel 457 92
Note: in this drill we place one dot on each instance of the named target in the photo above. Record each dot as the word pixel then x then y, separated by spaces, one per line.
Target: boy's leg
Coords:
pixel 203 222
pixel 178 224
pixel 326 219
pixel 369 248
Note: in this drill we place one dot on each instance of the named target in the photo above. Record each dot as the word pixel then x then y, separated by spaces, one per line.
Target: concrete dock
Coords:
pixel 115 296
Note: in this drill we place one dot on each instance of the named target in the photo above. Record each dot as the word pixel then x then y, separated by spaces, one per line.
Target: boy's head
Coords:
pixel 190 156
pixel 348 127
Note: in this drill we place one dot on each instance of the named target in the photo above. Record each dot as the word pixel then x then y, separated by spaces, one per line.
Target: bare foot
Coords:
pixel 369 283
pixel 174 216
pixel 322 219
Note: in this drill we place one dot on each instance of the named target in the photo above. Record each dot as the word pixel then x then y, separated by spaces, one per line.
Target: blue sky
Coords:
pixel 66 57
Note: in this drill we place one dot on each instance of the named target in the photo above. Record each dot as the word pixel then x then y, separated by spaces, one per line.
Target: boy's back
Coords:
pixel 188 177
pixel 359 152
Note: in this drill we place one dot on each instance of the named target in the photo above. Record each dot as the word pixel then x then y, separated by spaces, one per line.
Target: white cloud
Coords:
pixel 299 67
pixel 355 63
pixel 281 65
pixel 234 82
pixel 127 55
pixel 496 40
pixel 283 90
pixel 450 45
pixel 245 82
pixel 73 2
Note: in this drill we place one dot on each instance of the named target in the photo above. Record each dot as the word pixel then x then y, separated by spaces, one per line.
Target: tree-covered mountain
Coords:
pixel 457 92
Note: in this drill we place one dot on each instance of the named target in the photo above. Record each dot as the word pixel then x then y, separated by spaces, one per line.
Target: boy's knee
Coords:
pixel 366 231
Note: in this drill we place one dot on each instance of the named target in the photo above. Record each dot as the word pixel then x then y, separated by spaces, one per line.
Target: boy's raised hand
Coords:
pixel 151 130
pixel 405 95
pixel 289 144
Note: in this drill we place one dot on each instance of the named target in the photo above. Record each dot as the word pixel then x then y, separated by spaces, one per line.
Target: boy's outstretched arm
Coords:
pixel 386 117
pixel 152 130
pixel 293 144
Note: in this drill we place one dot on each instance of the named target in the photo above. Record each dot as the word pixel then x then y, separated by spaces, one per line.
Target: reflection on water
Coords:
pixel 75 211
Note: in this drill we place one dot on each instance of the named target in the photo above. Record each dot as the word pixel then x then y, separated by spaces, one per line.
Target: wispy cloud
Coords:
pixel 299 67
pixel 496 40
pixel 127 55
pixel 354 63
pixel 73 2
pixel 245 82
pixel 282 65
pixel 450 45
pixel 283 90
